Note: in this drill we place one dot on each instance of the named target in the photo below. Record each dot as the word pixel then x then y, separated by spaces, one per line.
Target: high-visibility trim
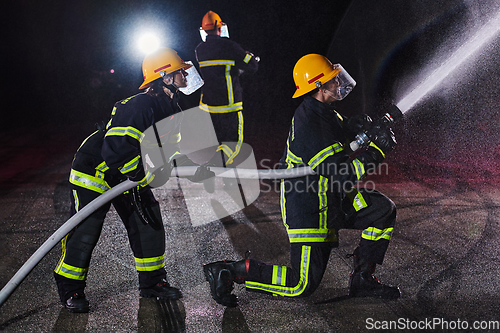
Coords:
pixel 281 289
pixel 123 131
pixel 231 106
pixel 149 264
pixel 175 138
pixel 279 275
pixel 63 254
pixel 283 202
pixel 225 149
pixel 375 146
pixel 322 155
pixel 229 85
pixel 131 165
pixel 375 234
pixel 147 179
pixel 87 139
pixel 359 167
pixel 240 139
pixel 101 169
pixel 247 58
pixel 357 199
pixel 291 157
pixel 173 155
pixel 312 235
pixel 207 63
pixel 65 269
pixel 87 181
pixel 77 200
pixel 221 108
pixel 72 272
pixel 323 201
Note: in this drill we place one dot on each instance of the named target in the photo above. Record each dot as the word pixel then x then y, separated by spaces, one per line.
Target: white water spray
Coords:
pixel 473 45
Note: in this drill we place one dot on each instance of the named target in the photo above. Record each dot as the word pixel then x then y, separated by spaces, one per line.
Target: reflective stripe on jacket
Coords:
pixel 221 61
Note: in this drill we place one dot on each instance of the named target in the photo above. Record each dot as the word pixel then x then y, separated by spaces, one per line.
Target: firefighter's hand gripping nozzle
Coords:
pixel 363 138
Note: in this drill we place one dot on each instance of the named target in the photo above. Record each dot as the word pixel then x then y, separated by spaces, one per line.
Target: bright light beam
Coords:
pixel 148 43
pixel 481 38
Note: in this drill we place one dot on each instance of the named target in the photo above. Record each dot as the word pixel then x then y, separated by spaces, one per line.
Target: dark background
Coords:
pixel 57 56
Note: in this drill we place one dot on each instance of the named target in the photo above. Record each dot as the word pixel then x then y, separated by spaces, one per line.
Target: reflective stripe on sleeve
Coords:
pixel 359 167
pixel 131 165
pixel 247 58
pixel 87 181
pixel 126 131
pixel 322 155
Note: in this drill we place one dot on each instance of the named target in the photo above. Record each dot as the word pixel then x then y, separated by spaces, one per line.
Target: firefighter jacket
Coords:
pixel 110 155
pixel 221 62
pixel 311 206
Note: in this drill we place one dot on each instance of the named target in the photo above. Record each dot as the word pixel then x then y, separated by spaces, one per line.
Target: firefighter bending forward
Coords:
pixel 221 62
pixel 315 207
pixel 111 155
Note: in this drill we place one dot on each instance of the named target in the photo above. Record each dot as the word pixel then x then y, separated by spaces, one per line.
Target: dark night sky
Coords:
pixel 59 53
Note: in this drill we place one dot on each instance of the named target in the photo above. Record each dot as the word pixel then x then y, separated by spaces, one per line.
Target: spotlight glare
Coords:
pixel 148 43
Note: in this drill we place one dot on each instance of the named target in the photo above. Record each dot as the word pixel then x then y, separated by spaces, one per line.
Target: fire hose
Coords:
pixel 361 140
pixel 112 193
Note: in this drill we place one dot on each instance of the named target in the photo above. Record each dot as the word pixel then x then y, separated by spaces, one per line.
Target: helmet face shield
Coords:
pixel 224 32
pixel 193 78
pixel 343 82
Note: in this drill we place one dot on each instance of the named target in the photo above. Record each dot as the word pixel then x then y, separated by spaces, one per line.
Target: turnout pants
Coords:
pixel 148 244
pixel 309 261
pixel 229 130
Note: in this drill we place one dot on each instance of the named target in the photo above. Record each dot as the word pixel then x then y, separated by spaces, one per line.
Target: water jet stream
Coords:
pixel 473 45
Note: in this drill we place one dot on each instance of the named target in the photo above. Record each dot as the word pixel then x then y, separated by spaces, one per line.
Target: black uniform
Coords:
pixel 104 159
pixel 221 62
pixel 315 207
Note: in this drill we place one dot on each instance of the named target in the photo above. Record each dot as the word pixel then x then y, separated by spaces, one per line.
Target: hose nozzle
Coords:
pixel 391 116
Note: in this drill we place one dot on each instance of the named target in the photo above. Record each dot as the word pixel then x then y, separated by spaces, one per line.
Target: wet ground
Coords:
pixel 444 254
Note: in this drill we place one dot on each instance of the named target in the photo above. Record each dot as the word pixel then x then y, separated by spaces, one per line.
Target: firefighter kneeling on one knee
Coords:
pixel 314 209
pixel 111 155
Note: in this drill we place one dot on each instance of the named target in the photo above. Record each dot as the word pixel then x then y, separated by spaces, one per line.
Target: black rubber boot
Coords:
pixel 363 283
pixel 161 290
pixel 221 276
pixel 77 303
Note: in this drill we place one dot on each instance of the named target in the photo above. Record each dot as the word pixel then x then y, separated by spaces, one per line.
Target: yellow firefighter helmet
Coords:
pixel 162 61
pixel 311 72
pixel 211 20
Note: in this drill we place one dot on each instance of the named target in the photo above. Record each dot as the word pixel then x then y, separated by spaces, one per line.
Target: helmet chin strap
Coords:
pixel 170 89
pixel 328 92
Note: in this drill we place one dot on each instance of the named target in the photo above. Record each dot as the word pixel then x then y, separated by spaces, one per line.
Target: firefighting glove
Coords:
pixel 202 174
pixel 382 142
pixel 140 176
pixel 145 209
pixel 357 124
pixel 383 138
pixel 161 176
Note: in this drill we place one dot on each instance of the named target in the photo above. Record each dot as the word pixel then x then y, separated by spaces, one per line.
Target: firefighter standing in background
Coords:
pixel 221 62
pixel 315 207
pixel 111 155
